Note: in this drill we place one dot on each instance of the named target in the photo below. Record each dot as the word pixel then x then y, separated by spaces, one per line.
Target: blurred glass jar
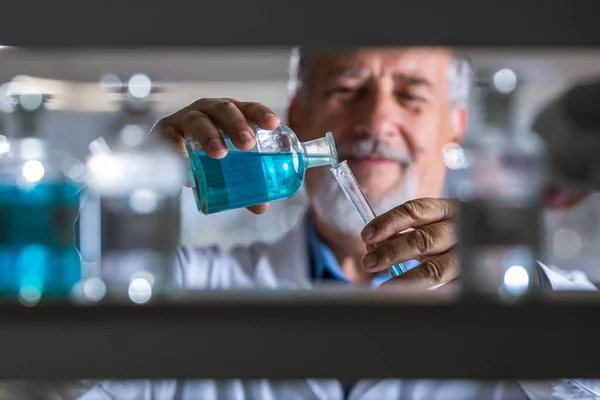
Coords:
pixel 499 180
pixel 40 189
pixel 135 182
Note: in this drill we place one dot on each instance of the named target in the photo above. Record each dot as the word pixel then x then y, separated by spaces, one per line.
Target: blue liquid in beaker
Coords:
pixel 243 179
pixel 39 239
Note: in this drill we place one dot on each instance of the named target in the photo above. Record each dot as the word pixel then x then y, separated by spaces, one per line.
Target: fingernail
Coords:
pixel 245 137
pixel 368 233
pixel 217 145
pixel 270 116
pixel 369 260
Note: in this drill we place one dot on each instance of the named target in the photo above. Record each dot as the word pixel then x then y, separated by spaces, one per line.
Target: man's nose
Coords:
pixel 380 116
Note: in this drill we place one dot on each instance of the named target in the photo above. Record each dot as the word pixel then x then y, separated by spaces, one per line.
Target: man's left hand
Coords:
pixel 424 230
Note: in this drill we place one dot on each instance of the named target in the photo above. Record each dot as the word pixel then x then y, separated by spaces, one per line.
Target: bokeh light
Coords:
pixel 505 80
pixel 140 86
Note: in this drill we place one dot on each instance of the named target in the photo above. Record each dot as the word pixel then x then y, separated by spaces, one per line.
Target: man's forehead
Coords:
pixel 421 61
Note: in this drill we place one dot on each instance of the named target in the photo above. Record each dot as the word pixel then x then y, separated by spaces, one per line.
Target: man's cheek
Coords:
pixel 382 181
pixel 433 164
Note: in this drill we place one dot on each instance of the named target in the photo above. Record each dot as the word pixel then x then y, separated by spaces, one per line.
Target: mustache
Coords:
pixel 373 148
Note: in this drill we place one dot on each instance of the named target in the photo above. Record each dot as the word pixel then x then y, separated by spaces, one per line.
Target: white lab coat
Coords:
pixel 286 263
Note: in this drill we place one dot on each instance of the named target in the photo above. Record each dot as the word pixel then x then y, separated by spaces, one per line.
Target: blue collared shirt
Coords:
pixel 325 266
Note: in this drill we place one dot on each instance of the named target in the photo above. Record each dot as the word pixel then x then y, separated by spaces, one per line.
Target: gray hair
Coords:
pixel 460 74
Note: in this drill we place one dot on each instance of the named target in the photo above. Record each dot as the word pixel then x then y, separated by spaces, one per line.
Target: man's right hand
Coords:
pixel 203 119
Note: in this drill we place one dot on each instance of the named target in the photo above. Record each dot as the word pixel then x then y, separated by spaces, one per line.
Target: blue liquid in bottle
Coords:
pixel 39 239
pixel 273 170
pixel 244 178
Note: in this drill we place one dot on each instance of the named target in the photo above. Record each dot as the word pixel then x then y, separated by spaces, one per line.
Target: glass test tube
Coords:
pixel 359 202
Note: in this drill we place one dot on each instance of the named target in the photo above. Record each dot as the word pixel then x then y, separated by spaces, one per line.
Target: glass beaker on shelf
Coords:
pixel 40 190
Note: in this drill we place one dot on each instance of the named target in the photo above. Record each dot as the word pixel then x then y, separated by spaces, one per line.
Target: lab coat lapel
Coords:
pixel 289 258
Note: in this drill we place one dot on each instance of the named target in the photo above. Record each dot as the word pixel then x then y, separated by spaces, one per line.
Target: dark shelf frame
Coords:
pixel 282 335
pixel 112 23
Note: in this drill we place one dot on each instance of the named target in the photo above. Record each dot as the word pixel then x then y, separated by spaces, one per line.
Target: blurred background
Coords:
pixel 511 86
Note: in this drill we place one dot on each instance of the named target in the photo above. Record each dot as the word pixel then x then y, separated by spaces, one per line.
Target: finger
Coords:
pixel 198 125
pixel 440 269
pixel 259 114
pixel 372 246
pixel 412 214
pixel 258 209
pixel 427 241
pixel 231 120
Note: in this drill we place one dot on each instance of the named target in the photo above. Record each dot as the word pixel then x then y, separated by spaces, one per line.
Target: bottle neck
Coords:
pixel 320 152
pixel 26 124
pixel 29 109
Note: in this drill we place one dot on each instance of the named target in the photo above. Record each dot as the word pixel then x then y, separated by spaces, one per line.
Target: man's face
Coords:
pixel 397 100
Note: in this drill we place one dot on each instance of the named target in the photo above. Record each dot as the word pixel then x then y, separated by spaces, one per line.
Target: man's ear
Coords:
pixel 459 119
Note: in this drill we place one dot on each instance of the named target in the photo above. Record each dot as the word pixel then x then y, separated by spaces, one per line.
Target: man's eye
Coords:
pixel 406 96
pixel 344 89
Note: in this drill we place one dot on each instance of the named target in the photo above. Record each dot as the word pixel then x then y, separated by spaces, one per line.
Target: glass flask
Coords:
pixel 135 184
pixel 40 188
pixel 499 180
pixel 273 170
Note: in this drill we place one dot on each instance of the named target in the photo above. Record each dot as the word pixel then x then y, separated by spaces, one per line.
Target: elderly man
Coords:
pixel 391 112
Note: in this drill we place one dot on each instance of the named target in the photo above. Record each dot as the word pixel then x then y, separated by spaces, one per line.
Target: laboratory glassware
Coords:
pixel 135 184
pixel 273 170
pixel 499 179
pixel 40 187
pixel 349 185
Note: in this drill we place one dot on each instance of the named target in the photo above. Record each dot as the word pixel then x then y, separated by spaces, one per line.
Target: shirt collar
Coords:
pixel 325 265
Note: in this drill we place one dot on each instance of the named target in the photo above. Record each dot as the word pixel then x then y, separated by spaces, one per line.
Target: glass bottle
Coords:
pixel 135 185
pixel 273 170
pixel 40 188
pixel 499 180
